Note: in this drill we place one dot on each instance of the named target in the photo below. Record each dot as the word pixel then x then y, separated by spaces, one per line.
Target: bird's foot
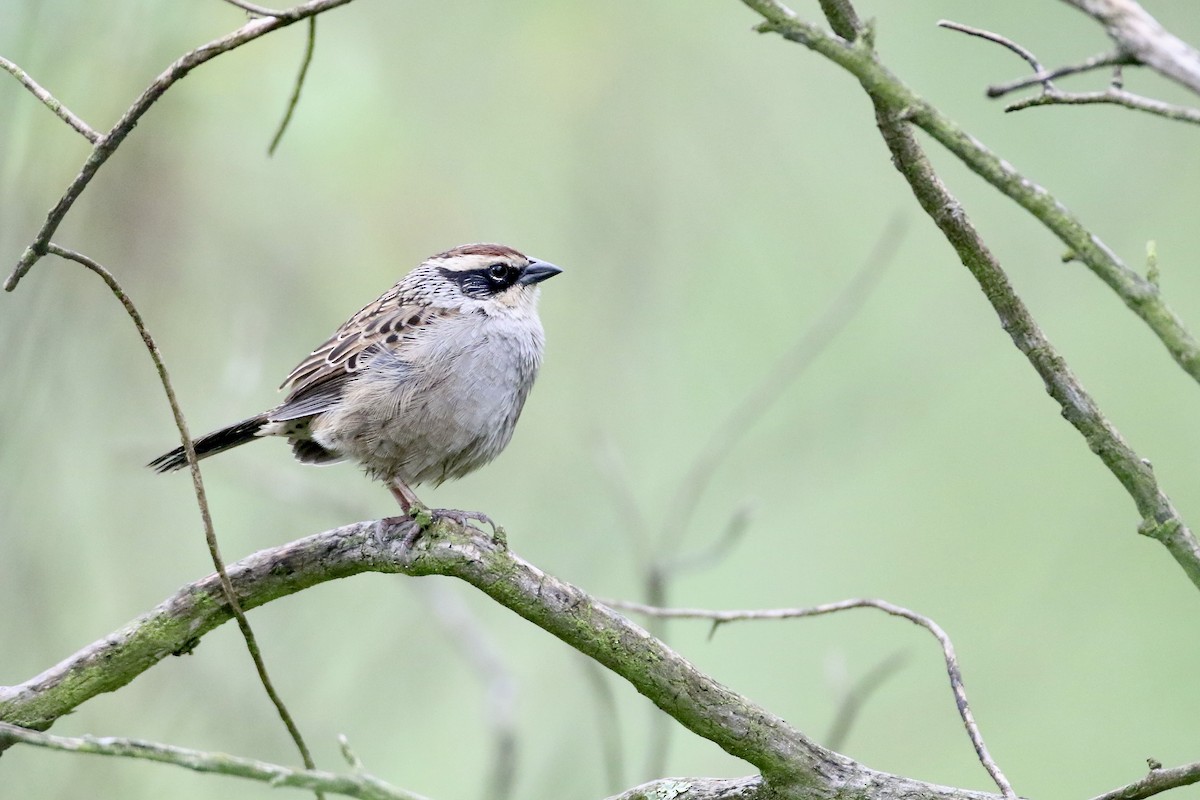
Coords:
pixel 464 517
pixel 425 517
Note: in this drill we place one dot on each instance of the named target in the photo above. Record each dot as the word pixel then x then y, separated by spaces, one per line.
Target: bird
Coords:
pixel 422 385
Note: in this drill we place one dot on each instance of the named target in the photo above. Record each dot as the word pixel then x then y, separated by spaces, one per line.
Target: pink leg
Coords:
pixel 404 495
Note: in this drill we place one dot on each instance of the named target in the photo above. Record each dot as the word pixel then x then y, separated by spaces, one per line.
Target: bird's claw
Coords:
pixel 425 517
pixel 463 517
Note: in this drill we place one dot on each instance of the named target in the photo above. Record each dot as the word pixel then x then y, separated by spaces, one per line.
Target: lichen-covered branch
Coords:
pixel 857 57
pixel 698 789
pixel 792 765
pixel 896 105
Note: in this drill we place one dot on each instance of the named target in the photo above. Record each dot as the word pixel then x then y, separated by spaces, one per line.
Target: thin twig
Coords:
pixel 857 697
pixel 210 534
pixel 792 764
pixel 814 341
pixel 898 106
pixel 50 101
pixel 610 729
pixel 107 144
pixel 1159 780
pixel 1139 34
pixel 735 529
pixel 1003 41
pixel 251 8
pixel 295 98
pixel 1052 96
pixel 1112 96
pixel 361 785
pixel 1045 76
pixel 485 660
pixel 718 618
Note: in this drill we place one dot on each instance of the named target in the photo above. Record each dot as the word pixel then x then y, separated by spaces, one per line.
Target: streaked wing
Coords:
pixel 315 385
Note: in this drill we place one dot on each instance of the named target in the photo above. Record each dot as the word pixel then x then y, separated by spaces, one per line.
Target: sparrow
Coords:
pixel 423 385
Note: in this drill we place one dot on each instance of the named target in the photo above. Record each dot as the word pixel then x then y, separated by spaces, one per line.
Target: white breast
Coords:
pixel 443 407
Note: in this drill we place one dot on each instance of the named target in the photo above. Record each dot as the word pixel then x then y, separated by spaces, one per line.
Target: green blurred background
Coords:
pixel 709 192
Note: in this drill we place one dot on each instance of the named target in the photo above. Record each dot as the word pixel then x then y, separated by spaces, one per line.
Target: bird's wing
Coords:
pixel 317 382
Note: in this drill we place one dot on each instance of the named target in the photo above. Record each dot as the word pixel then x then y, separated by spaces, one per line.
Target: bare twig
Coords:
pixel 733 532
pixel 610 730
pixel 479 651
pixel 857 697
pixel 897 106
pixel 50 101
pixel 1003 41
pixel 210 534
pixel 1112 96
pixel 252 8
pixel 815 339
pixel 310 44
pixel 361 784
pixel 1139 35
pixel 1159 780
pixel 793 766
pixel 107 144
pixel 1045 76
pixel 1052 96
pixel 718 618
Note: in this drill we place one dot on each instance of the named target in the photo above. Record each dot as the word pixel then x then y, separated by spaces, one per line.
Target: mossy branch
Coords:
pixel 858 58
pixel 791 764
pixel 896 106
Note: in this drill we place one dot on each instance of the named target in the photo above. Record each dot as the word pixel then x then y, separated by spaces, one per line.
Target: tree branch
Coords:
pixel 896 104
pixel 1111 96
pixel 1140 36
pixel 698 789
pixel 210 534
pixel 50 101
pixel 1053 96
pixel 107 144
pixel 856 57
pixel 792 765
pixel 718 618
pixel 361 785
pixel 1159 780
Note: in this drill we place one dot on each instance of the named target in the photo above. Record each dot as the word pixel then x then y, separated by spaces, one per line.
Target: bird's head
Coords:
pixel 491 275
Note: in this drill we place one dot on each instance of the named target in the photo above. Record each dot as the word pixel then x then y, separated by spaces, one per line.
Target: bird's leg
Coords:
pixel 408 502
pixel 404 495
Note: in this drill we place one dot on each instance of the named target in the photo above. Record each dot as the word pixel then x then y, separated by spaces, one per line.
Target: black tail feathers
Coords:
pixel 211 443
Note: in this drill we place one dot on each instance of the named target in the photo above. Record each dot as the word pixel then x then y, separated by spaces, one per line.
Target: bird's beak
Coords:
pixel 537 271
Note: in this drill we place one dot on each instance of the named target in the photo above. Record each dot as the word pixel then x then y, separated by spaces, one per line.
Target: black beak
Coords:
pixel 537 271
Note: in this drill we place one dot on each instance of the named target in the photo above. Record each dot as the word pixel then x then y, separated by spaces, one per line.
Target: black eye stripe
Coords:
pixel 484 282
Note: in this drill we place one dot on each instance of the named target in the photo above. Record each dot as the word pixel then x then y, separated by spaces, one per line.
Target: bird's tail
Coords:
pixel 211 443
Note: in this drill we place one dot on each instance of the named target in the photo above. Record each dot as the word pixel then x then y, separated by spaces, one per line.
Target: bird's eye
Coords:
pixel 500 272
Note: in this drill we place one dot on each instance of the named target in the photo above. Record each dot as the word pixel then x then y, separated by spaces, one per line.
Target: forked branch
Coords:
pixel 792 765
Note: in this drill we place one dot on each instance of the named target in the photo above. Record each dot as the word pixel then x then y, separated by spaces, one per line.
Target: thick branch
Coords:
pixel 896 104
pixel 1143 38
pixel 698 789
pixel 792 765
